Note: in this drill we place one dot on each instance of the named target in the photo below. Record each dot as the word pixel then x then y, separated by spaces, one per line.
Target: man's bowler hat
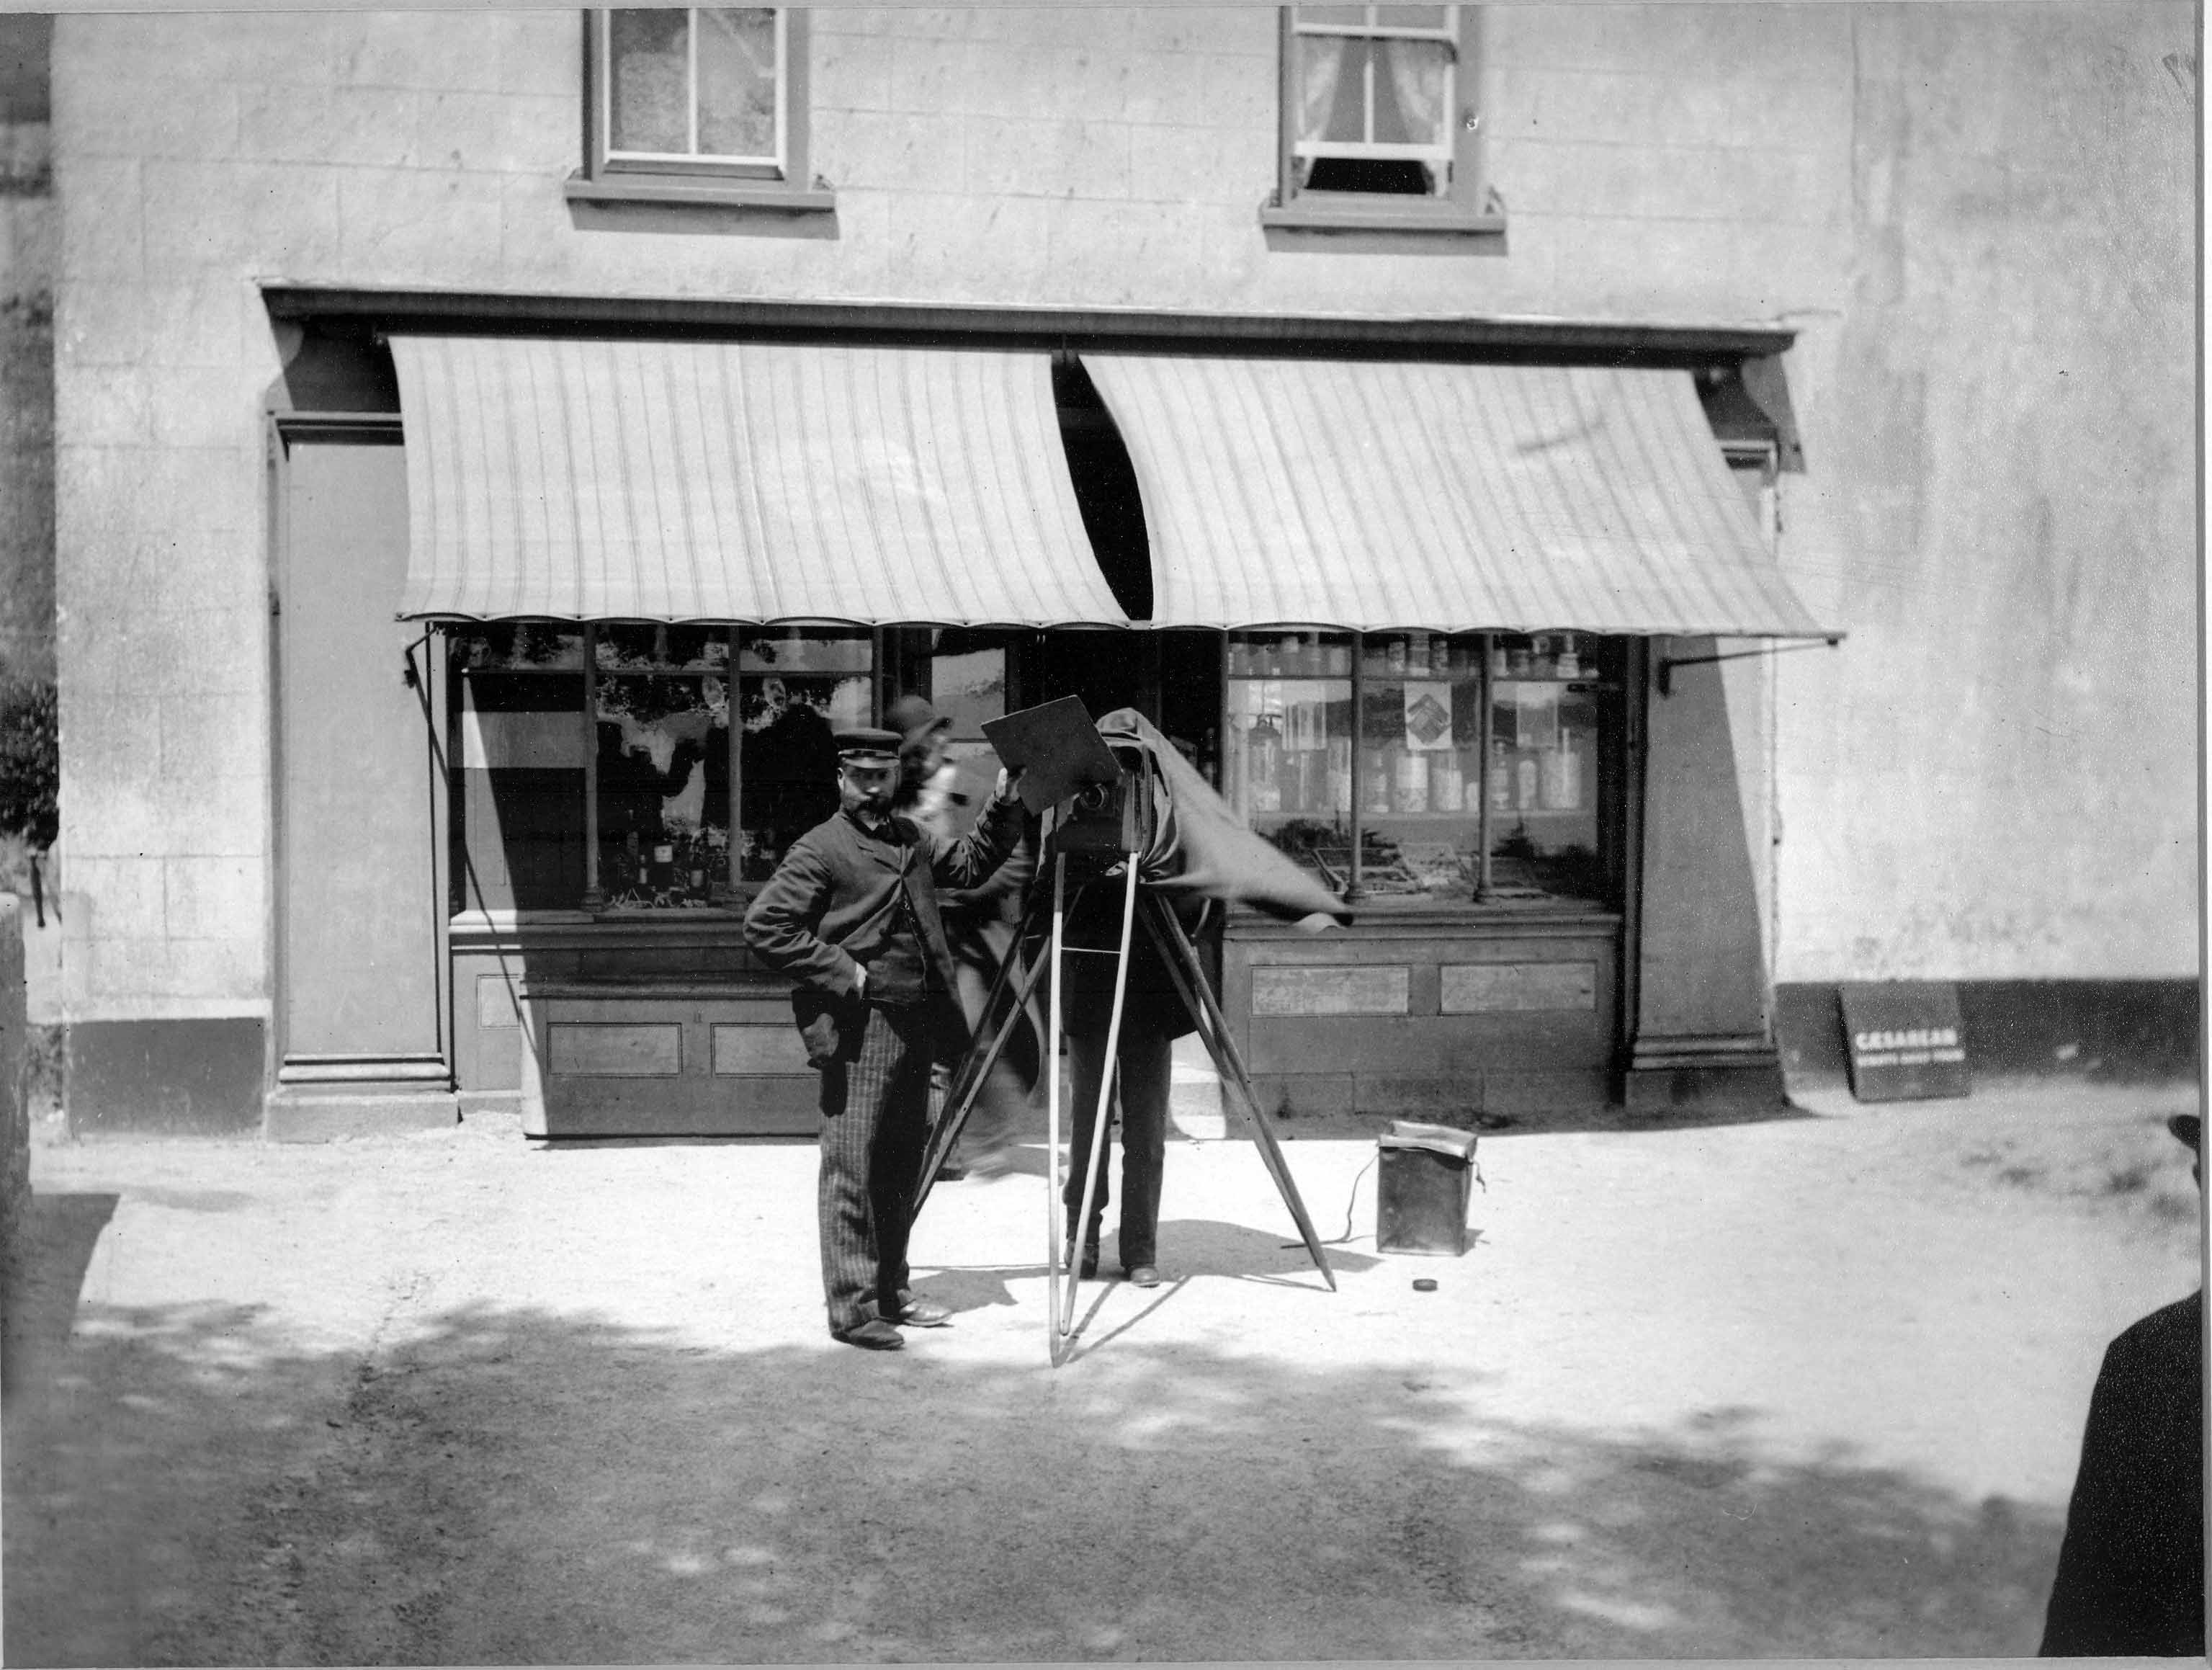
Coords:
pixel 2190 1128
pixel 915 720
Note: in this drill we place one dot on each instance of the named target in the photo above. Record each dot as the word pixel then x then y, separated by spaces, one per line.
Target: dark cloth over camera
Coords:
pixel 1201 850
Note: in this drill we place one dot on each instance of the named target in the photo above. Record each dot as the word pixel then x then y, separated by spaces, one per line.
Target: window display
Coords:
pixel 796 689
pixel 1420 740
pixel 663 789
pixel 596 770
pixel 1551 698
pixel 1288 767
pixel 1532 723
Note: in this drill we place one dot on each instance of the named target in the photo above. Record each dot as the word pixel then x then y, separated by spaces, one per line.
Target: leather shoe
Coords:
pixel 924 1314
pixel 1144 1274
pixel 873 1335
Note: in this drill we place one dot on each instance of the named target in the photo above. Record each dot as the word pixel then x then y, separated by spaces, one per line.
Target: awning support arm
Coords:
pixel 1666 667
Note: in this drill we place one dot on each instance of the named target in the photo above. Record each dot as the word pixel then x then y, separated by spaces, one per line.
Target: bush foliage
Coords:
pixel 30 762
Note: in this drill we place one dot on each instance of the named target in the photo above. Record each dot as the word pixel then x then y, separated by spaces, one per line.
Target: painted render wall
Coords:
pixel 1811 164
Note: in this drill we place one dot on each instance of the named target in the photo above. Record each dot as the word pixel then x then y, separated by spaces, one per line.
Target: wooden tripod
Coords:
pixel 1010 991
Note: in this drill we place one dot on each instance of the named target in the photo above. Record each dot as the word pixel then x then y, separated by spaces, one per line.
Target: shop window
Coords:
pixel 1407 785
pixel 1380 127
pixel 697 104
pixel 596 768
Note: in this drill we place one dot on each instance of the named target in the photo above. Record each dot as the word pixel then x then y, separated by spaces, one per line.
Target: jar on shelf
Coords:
pixel 1375 787
pixel 1410 777
pixel 1240 658
pixel 1337 662
pixel 1444 785
pixel 1394 657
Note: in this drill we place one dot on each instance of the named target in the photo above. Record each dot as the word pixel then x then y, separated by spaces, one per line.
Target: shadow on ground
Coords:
pixel 512 1486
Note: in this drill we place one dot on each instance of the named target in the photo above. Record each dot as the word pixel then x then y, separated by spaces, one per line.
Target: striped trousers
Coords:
pixel 875 1127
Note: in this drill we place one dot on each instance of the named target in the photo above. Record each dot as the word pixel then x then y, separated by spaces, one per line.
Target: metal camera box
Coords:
pixel 1425 1179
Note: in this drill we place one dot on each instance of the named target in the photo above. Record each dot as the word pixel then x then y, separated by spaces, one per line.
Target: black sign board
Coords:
pixel 1904 1040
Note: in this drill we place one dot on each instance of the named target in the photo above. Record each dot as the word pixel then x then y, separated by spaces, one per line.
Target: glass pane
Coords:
pixel 736 82
pixel 1412 17
pixel 969 688
pixel 1287 768
pixel 1410 92
pixel 518 793
pixel 1550 719
pixel 517 646
pixel 636 647
pixel 796 689
pixel 1420 735
pixel 664 759
pixel 799 649
pixel 1333 106
pixel 649 78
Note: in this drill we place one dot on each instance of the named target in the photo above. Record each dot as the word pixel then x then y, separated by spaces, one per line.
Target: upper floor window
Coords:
pixel 697 103
pixel 1380 123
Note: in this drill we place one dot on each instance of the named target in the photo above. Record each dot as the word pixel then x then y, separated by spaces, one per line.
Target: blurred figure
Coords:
pixel 2131 1570
pixel 979 924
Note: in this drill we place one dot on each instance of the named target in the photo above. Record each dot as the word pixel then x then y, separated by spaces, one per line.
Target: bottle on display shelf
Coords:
pixel 1264 755
pixel 1562 776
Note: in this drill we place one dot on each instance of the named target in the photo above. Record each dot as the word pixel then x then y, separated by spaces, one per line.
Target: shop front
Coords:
pixel 1411 614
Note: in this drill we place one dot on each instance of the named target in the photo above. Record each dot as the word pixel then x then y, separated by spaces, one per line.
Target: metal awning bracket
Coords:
pixel 1666 667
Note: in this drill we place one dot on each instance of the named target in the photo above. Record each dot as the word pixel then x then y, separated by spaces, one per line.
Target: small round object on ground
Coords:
pixel 1424 1284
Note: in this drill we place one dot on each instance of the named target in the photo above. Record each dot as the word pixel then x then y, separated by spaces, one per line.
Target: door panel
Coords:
pixel 358 805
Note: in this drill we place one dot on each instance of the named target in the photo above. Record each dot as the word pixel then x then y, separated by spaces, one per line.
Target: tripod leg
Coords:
pixel 1107 1073
pixel 1181 958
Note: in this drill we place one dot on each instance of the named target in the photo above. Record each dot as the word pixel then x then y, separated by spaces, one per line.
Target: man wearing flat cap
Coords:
pixel 2132 1569
pixel 851 913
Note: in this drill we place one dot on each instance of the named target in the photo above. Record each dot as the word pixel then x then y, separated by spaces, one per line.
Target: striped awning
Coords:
pixel 662 480
pixel 1377 495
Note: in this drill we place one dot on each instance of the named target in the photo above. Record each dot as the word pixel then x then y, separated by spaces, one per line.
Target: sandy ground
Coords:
pixel 1804 1386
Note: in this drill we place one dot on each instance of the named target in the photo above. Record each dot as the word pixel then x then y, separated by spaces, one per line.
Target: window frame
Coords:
pixel 783 183
pixel 1471 206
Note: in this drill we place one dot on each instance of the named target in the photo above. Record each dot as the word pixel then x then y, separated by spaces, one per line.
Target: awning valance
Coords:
pixel 1376 494
pixel 672 480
